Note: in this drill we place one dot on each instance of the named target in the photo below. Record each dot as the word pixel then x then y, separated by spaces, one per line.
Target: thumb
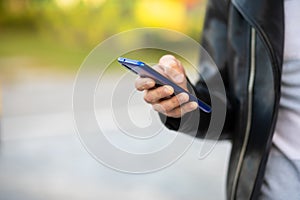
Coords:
pixel 172 68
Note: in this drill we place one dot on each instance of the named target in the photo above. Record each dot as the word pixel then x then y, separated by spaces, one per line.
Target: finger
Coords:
pixel 182 110
pixel 144 83
pixel 173 68
pixel 155 95
pixel 172 103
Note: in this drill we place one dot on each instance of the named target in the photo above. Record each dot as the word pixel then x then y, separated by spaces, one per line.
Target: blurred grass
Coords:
pixel 43 52
pixel 51 35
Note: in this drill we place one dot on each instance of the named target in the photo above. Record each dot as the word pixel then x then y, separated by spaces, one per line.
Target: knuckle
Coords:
pixel 158 108
pixel 147 98
pixel 138 85
pixel 144 84
pixel 175 100
pixel 168 106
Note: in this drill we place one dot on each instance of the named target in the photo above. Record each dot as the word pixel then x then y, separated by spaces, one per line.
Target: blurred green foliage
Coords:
pixel 62 32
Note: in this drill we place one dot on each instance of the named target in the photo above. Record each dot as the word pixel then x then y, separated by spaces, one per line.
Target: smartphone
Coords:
pixel 143 70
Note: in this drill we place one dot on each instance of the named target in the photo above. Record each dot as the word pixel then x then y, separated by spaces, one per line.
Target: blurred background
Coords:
pixel 42 45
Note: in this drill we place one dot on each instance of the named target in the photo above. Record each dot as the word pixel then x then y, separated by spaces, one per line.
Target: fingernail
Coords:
pixel 173 63
pixel 179 78
pixel 193 105
pixel 168 89
pixel 183 98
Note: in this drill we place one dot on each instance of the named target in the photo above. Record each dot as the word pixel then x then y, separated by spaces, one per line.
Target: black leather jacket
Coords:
pixel 245 39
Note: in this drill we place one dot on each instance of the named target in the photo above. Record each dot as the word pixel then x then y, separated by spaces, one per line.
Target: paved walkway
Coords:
pixel 41 156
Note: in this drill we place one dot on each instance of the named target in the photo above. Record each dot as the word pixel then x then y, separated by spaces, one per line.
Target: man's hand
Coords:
pixel 159 97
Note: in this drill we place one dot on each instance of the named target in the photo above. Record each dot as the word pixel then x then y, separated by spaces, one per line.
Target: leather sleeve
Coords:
pixel 214 41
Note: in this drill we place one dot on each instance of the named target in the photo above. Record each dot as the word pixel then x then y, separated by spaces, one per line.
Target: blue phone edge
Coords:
pixel 202 105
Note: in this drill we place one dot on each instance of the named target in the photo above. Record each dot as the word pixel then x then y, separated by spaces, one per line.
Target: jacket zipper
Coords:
pixel 249 115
